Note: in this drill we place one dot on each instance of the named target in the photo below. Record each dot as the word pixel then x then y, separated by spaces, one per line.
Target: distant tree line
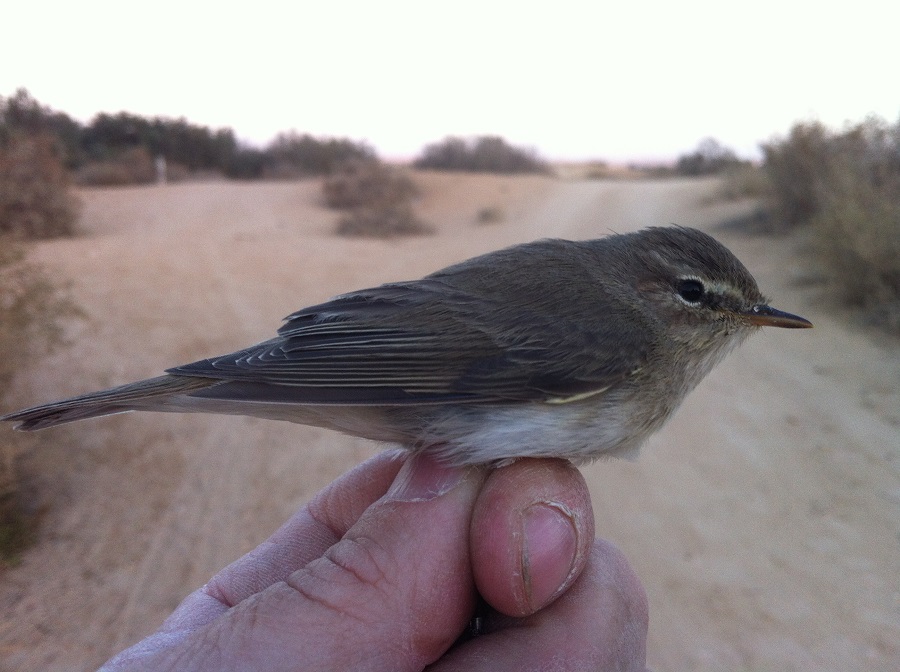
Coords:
pixel 110 137
pixel 121 148
pixel 484 154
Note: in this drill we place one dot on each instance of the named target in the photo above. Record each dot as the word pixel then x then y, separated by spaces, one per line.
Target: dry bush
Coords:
pixel 366 184
pixel 132 166
pixel 35 201
pixel 383 221
pixel 379 198
pixel 798 168
pixel 31 310
pixel 857 235
pixel 845 187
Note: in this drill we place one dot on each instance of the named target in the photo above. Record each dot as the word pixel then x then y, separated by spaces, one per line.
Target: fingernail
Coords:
pixel 548 551
pixel 423 478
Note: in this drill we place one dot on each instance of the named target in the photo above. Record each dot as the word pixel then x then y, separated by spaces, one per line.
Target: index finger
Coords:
pixel 311 531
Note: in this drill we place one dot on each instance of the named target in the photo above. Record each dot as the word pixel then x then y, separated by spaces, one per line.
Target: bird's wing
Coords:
pixel 424 342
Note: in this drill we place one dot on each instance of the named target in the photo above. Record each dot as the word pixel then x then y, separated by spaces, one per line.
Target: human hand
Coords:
pixel 380 572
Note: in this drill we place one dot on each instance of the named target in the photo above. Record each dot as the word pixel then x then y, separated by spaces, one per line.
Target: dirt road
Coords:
pixel 763 519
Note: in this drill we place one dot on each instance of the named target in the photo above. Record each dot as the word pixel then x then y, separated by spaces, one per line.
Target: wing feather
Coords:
pixel 448 336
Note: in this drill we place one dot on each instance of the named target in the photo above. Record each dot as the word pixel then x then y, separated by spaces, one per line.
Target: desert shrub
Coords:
pixel 857 235
pixel 845 187
pixel 361 183
pixel 710 158
pixel 35 201
pixel 131 166
pixel 31 310
pixel 382 221
pixel 798 168
pixel 379 198
pixel 486 154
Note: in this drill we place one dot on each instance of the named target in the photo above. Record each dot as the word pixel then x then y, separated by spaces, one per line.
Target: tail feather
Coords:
pixel 142 394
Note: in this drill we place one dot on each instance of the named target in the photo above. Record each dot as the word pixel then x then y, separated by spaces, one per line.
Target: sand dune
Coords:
pixel 763 519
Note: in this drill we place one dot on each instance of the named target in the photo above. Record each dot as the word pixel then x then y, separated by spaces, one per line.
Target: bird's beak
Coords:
pixel 765 316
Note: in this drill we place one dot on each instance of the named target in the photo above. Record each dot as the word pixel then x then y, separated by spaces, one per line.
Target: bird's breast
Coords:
pixel 608 424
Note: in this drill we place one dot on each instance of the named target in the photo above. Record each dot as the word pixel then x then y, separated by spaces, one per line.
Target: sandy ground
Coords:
pixel 763 520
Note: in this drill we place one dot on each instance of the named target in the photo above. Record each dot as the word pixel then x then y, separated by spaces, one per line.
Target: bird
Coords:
pixel 552 348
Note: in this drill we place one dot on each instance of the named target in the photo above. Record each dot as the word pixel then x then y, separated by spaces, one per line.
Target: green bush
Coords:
pixel 35 201
pixel 485 154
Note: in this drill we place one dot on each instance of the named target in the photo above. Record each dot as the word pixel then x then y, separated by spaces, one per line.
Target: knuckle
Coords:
pixel 363 559
pixel 354 577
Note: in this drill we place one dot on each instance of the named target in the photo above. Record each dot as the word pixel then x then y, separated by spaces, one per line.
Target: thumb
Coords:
pixel 393 593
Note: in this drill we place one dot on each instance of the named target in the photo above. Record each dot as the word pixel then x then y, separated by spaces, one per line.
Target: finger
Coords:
pixel 305 536
pixel 393 593
pixel 532 530
pixel 600 623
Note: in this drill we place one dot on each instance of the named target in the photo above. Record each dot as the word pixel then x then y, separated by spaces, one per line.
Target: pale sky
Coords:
pixel 617 81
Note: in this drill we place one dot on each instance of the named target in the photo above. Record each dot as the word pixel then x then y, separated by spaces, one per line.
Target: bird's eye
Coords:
pixel 690 290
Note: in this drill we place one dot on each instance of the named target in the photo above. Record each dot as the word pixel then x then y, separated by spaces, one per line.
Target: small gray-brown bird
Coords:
pixel 549 349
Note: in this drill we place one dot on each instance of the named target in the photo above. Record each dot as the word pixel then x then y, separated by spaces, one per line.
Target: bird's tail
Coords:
pixel 144 394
